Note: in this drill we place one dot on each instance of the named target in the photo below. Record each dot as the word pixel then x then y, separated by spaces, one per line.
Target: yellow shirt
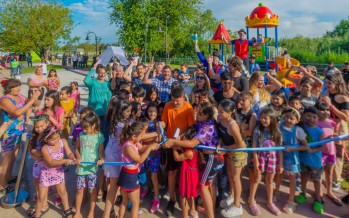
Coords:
pixel 68 109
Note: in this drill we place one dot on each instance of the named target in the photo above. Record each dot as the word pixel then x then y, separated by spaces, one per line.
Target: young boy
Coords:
pixel 295 102
pixel 177 114
pixel 305 93
pixel 68 105
pixel 247 117
pixel 311 159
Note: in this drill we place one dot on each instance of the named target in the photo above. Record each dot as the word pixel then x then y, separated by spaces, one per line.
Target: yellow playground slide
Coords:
pixel 281 61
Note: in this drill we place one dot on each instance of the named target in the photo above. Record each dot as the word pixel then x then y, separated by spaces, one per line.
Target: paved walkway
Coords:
pixel 331 210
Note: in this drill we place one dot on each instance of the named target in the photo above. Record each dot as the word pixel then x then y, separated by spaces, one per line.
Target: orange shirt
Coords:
pixel 177 118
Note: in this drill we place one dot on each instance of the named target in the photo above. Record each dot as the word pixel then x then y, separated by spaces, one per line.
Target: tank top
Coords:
pixel 35 80
pixel 228 139
pixel 126 158
pixel 56 155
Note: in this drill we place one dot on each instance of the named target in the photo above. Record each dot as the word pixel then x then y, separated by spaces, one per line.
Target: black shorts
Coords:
pixel 128 180
pixel 40 97
pixel 209 168
pixel 171 164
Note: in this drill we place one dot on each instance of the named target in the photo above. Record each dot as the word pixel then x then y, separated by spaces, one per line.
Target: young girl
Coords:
pixel 266 134
pixel 89 147
pixel 292 135
pixel 128 180
pixel 77 127
pixel 53 81
pixel 118 116
pixel 152 94
pixel 68 104
pixel 189 175
pixel 136 111
pixel 231 137
pixel 207 135
pixel 52 172
pixel 41 124
pixel 278 102
pixel 75 95
pixel 53 109
pixel 328 127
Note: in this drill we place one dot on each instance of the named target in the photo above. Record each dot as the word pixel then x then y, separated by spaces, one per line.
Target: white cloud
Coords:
pixel 296 17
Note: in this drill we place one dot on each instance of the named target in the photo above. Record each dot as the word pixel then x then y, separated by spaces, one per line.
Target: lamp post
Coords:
pixel 87 38
pixel 167 54
pixel 145 35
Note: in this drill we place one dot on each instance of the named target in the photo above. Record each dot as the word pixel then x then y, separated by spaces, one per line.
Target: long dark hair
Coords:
pixel 114 115
pixel 150 105
pixel 91 119
pixel 56 103
pixel 35 135
pixel 274 126
pixel 229 106
pixel 150 91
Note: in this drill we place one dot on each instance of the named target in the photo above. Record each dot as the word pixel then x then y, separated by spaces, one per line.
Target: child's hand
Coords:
pixel 154 146
pixel 78 161
pixel 100 162
pixel 218 151
pixel 280 169
pixel 288 149
pixel 68 162
pixel 169 143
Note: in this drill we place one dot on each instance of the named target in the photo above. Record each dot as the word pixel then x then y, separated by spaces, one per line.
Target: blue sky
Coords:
pixel 297 17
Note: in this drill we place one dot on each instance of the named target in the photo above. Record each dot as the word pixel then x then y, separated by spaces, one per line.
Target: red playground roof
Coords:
pixel 217 37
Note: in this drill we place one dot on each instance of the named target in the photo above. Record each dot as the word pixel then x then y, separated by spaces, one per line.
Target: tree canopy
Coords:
pixel 185 18
pixel 33 25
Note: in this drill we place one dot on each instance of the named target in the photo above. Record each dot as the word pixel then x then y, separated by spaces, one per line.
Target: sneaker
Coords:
pixel 336 186
pixel 298 186
pixel 255 209
pixel 226 202
pixel 232 211
pixel 162 187
pixel 300 199
pixel 155 206
pixel 274 209
pixel 144 192
pixel 317 207
pixel 169 208
pixel 166 196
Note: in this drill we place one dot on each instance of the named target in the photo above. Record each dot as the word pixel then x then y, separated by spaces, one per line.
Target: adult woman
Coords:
pixel 228 91
pixel 36 81
pixel 13 106
pixel 201 82
pixel 260 91
pixel 338 99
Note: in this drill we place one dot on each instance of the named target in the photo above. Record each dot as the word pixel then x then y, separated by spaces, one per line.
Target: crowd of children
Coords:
pixel 130 124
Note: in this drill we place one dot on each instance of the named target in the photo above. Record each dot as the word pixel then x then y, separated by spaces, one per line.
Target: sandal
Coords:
pixel 317 207
pixel 336 201
pixel 300 199
pixel 289 207
pixel 274 209
pixel 68 212
pixel 41 213
pixel 194 214
pixel 118 200
pixel 255 209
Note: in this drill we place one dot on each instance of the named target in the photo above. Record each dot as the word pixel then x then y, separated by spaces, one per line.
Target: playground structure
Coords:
pixel 263 18
pixel 217 39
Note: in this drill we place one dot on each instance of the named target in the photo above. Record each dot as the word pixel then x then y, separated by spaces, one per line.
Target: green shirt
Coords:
pixel 89 151
pixel 99 93
pixel 14 64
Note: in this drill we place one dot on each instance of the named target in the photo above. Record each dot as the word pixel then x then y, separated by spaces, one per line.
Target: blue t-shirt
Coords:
pixel 312 159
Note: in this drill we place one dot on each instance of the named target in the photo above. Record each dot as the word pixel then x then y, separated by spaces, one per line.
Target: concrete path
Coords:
pixel 66 77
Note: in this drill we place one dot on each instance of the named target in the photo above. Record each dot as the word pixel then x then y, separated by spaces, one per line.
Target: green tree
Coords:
pixel 185 17
pixel 33 25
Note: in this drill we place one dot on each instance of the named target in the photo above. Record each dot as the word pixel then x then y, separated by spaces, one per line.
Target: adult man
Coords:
pixel 162 83
pixel 241 47
pixel 29 60
pixel 253 65
pixel 75 60
pixel 345 73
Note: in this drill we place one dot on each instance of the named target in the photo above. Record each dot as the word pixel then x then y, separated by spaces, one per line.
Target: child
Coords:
pixel 138 94
pixel 266 134
pixel 152 94
pixel 305 93
pixel 53 109
pixel 118 117
pixel 278 102
pixel 52 172
pixel 183 74
pixel 128 180
pixel 292 135
pixel 154 157
pixel 89 147
pixel 175 110
pixel 77 129
pixel 246 115
pixel 328 127
pixel 189 174
pixel 231 137
pixel 211 163
pixel 53 81
pixel 136 111
pixel 41 124
pixel 295 102
pixel 311 159
pixel 68 106
pixel 75 95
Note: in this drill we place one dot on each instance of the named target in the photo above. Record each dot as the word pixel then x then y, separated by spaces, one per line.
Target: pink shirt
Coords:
pixel 327 128
pixel 56 115
pixel 125 157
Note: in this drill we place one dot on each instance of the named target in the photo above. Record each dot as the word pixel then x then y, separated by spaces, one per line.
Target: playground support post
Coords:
pixel 276 48
pixel 266 48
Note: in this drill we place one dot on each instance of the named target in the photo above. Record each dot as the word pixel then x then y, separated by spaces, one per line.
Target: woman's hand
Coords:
pixel 100 162
pixel 326 100
pixel 35 94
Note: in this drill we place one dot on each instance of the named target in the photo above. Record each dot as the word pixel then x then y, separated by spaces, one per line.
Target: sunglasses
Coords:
pixel 200 77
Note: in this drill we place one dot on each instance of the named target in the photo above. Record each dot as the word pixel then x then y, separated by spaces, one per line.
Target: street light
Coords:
pixel 145 35
pixel 167 54
pixel 87 38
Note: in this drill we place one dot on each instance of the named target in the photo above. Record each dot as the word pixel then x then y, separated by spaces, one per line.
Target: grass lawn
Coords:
pixel 49 67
